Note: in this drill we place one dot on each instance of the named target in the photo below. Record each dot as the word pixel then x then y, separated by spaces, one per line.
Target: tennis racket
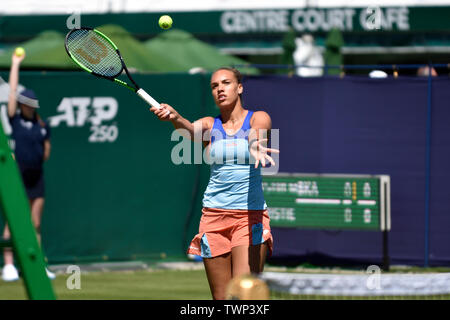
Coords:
pixel 95 53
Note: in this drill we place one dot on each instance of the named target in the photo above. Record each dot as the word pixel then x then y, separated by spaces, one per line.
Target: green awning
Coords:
pixel 182 47
pixel 46 51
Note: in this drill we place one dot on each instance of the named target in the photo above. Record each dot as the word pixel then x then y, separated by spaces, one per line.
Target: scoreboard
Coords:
pixel 328 201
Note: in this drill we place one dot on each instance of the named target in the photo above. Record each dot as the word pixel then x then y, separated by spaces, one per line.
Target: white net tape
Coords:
pixel 358 285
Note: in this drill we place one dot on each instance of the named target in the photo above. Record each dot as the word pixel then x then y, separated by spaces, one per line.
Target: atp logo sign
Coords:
pixel 98 112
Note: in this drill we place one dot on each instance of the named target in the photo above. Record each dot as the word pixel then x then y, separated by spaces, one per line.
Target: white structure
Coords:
pixel 378 74
pixel 308 55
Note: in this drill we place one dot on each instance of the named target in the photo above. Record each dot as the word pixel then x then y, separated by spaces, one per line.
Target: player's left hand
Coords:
pixel 260 152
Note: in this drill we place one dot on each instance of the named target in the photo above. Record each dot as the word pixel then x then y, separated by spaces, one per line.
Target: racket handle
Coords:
pixel 147 98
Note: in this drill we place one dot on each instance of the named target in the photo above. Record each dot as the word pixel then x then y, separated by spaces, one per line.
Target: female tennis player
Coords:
pixel 32 147
pixel 234 234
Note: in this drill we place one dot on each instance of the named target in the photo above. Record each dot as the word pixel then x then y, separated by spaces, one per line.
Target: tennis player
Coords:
pixel 32 147
pixel 234 233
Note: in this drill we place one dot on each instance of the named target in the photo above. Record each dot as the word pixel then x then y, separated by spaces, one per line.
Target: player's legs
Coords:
pixel 248 259
pixel 7 252
pixel 9 271
pixel 218 272
pixel 37 206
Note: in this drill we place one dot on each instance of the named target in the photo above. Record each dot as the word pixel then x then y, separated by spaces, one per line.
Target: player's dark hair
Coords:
pixel 236 72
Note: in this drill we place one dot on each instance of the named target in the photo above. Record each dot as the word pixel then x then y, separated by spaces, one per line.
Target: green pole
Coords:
pixel 16 209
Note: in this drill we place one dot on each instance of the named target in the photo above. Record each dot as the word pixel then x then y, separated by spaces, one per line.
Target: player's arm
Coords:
pixel 192 130
pixel 259 135
pixel 13 81
pixel 260 123
pixel 47 149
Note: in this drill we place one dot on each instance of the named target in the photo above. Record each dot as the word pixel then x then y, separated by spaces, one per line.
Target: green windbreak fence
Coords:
pixel 112 189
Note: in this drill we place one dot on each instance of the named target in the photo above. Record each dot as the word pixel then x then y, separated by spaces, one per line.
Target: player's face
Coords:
pixel 27 111
pixel 225 88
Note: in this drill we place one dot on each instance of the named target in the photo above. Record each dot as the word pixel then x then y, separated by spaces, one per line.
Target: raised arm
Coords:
pixel 13 81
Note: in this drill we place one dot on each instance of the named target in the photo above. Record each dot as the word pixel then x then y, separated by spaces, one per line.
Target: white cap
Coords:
pixel 28 98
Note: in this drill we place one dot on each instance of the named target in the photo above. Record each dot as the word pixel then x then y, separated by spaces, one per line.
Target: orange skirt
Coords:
pixel 221 230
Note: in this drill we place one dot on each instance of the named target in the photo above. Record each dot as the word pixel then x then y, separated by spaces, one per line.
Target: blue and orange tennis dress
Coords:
pixel 234 210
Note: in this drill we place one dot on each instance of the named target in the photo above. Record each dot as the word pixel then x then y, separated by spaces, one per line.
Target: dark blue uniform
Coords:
pixel 29 137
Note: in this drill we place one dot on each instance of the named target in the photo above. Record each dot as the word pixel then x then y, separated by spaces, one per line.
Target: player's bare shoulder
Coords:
pixel 261 119
pixel 207 122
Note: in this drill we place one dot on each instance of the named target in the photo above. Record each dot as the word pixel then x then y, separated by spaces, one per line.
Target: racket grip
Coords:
pixel 147 98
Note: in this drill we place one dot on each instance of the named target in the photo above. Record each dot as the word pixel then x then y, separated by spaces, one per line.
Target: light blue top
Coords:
pixel 234 182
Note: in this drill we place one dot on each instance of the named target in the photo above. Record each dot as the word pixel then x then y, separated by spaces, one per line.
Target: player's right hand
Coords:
pixel 17 59
pixel 165 113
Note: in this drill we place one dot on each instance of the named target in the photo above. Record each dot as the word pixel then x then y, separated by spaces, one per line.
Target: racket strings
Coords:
pixel 94 52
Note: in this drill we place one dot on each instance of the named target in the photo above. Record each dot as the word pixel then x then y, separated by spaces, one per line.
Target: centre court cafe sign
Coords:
pixel 316 20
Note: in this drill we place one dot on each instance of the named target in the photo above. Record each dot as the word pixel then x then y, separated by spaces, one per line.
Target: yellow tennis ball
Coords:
pixel 247 287
pixel 19 51
pixel 165 22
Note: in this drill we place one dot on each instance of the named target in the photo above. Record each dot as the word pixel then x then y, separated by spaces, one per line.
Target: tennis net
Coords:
pixel 357 286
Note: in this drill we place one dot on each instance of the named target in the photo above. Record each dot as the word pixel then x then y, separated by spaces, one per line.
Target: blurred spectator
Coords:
pixel 425 71
pixel 309 55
